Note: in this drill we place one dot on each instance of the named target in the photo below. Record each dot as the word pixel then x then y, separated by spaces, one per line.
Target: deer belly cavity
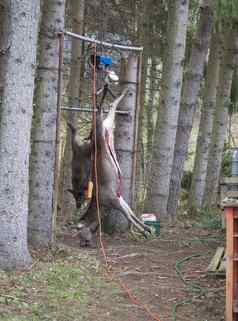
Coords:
pixel 113 158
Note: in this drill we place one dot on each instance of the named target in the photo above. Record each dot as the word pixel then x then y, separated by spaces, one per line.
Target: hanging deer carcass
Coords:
pixel 109 178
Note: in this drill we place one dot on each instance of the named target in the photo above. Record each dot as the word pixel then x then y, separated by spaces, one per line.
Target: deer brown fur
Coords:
pixel 108 173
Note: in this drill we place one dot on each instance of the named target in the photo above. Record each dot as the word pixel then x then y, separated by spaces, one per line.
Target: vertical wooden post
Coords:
pixel 57 145
pixel 136 124
pixel 231 212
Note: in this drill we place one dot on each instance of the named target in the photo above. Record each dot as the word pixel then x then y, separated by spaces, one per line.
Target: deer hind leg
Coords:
pixel 86 234
pixel 88 226
pixel 127 211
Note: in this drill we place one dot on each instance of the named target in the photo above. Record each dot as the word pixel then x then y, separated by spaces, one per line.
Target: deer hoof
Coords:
pixel 147 229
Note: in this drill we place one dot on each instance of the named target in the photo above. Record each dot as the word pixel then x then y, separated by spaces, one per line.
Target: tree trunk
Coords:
pixel 44 131
pixel 78 7
pixel 229 63
pixel 16 117
pixel 165 131
pixel 140 168
pixel 151 115
pixel 151 111
pixel 125 128
pixel 4 39
pixel 148 35
pixel 67 201
pixel 190 94
pixel 205 127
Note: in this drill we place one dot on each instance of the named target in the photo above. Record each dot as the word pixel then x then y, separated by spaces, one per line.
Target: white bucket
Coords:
pixel 148 218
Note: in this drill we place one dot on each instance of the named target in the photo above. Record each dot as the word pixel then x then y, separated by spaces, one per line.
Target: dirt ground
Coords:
pixel 167 274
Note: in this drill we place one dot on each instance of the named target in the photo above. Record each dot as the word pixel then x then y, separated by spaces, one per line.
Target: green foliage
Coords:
pixel 138 237
pixel 186 180
pixel 192 27
pixel 210 218
pixel 234 94
pixel 226 163
pixel 226 10
pixel 193 15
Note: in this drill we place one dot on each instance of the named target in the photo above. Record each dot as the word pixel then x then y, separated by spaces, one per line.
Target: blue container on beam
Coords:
pixel 105 60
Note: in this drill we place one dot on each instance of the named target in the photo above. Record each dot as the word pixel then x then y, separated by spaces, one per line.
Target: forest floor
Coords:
pixel 71 284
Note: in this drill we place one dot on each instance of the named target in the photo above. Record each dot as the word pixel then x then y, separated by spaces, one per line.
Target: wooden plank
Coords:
pixel 232 194
pixel 235 309
pixel 235 266
pixel 222 267
pixel 233 180
pixel 230 287
pixel 223 220
pixel 231 205
pixel 223 191
pixel 215 262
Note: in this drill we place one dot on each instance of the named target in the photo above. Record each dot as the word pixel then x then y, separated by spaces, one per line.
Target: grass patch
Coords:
pixel 210 219
pixel 58 290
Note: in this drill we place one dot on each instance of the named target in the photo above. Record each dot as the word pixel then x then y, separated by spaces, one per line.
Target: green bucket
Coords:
pixel 155 226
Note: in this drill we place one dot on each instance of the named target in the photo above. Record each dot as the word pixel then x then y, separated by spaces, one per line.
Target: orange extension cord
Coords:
pixel 109 271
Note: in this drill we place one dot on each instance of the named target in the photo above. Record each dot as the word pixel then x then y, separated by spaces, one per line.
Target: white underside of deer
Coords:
pixel 108 127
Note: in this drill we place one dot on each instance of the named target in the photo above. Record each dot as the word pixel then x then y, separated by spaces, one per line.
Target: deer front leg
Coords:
pixel 121 205
pixel 109 121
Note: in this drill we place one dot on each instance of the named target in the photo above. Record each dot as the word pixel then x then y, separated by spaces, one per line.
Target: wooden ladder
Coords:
pixel 231 213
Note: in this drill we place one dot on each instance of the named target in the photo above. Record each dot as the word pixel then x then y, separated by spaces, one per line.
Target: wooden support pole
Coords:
pixel 136 125
pixel 231 212
pixel 57 145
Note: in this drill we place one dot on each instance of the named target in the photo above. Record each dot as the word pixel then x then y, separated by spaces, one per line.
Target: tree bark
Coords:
pixel 4 42
pixel 151 117
pixel 190 94
pixel 44 131
pixel 125 128
pixel 150 33
pixel 229 63
pixel 78 7
pixel 165 131
pixel 16 117
pixel 67 201
pixel 140 175
pixel 205 127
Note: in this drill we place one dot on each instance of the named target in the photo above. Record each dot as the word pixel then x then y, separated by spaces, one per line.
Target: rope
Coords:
pixel 94 89
pixel 109 271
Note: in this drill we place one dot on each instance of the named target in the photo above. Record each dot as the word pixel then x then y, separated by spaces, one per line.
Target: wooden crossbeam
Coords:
pixel 103 43
pixel 89 110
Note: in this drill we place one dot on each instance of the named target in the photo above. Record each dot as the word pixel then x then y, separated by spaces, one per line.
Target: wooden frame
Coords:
pixel 231 212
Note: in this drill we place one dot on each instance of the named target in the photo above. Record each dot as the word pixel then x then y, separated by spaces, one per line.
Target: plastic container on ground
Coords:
pixel 151 220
